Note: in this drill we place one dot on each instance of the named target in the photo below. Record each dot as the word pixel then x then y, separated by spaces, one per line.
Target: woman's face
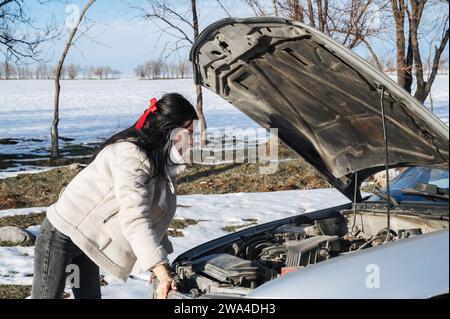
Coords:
pixel 183 138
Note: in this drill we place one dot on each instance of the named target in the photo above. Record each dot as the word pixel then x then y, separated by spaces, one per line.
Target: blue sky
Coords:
pixel 118 37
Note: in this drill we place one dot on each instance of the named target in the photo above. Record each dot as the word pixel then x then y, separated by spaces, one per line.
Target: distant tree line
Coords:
pixel 44 71
pixel 159 69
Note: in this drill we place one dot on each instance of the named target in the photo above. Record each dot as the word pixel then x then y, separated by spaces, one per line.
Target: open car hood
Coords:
pixel 324 99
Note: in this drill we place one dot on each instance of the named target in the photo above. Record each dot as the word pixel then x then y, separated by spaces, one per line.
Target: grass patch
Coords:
pixel 234 228
pixel 233 178
pixel 31 190
pixel 10 244
pixel 14 291
pixel 42 189
pixel 23 221
pixel 182 223
pixel 177 224
pixel 175 233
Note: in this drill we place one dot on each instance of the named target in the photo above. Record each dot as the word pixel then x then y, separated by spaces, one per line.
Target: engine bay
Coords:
pixel 237 268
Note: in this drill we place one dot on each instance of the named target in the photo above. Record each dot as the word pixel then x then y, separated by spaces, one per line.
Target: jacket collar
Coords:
pixel 176 164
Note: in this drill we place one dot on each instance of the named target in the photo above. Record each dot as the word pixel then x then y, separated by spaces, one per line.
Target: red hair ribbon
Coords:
pixel 151 109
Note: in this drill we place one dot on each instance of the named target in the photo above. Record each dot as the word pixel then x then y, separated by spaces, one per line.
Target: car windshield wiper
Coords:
pixel 427 190
pixel 391 199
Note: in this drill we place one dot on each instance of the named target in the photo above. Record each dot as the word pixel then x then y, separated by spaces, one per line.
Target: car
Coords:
pixel 350 121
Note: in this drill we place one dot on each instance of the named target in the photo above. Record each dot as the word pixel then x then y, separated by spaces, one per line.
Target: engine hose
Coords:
pixel 246 244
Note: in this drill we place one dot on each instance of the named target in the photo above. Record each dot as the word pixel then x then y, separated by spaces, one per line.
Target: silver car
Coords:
pixel 349 121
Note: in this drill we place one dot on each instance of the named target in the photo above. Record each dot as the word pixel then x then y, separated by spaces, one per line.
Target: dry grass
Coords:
pixel 31 190
pixel 232 178
pixel 177 224
pixel 23 221
pixel 42 189
pixel 14 291
pixel 234 228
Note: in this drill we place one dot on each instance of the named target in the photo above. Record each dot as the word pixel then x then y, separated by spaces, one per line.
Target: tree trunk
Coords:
pixel 320 15
pixel 423 86
pixel 415 16
pixel 275 8
pixel 399 19
pixel 198 87
pixel 311 14
pixel 54 130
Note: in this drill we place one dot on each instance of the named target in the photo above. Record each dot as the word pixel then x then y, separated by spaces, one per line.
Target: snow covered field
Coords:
pixel 93 109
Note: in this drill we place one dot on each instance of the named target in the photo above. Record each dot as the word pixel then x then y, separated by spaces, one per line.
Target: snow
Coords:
pixel 21 211
pixel 108 106
pixel 104 108
pixel 212 211
pixel 439 94
pixel 16 265
pixel 23 169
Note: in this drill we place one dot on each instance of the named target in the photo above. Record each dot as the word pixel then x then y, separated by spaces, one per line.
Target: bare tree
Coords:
pixel 408 15
pixel 176 23
pixel 148 69
pixel 24 72
pixel 198 87
pixel 72 71
pixel 99 72
pixel 404 49
pixel 116 74
pixel 54 130
pixel 140 71
pixel 182 68
pixel 350 22
pixel 9 70
pixel 107 70
pixel 89 71
pixel 42 71
pixel 443 65
pixel 258 7
pixel 156 69
pixel 424 85
pixel 20 39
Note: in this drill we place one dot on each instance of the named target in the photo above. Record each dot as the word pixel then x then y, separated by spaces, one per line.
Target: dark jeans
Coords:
pixel 57 258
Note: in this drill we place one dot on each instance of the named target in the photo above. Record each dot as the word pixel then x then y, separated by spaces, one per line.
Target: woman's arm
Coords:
pixel 129 174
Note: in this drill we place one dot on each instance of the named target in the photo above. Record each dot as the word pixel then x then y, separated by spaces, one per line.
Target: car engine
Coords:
pixel 245 264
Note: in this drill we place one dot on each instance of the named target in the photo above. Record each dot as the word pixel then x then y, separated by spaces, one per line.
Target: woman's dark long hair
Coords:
pixel 172 111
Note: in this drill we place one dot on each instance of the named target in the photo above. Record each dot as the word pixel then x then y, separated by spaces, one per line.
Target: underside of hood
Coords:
pixel 324 99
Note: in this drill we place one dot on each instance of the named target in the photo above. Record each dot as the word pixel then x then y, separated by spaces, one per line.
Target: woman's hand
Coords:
pixel 165 281
pixel 164 286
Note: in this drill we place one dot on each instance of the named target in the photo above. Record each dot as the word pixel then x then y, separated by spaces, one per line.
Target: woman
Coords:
pixel 115 213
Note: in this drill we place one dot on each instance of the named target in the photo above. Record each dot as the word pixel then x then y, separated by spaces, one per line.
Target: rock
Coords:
pixel 15 235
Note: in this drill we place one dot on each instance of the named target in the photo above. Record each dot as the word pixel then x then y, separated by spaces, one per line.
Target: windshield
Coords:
pixel 410 177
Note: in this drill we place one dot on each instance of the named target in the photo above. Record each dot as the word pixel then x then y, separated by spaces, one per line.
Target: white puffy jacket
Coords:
pixel 112 216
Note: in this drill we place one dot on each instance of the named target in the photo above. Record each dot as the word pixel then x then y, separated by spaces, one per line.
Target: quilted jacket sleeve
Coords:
pixel 129 173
